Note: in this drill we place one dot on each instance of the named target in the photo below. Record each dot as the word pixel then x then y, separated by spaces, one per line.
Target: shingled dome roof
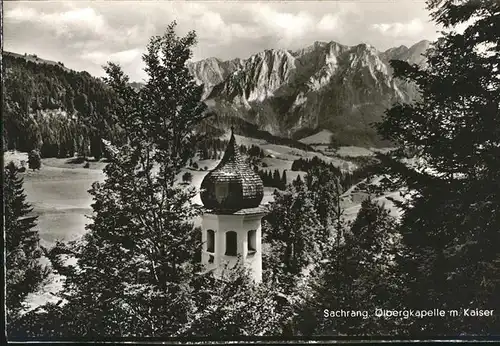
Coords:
pixel 232 185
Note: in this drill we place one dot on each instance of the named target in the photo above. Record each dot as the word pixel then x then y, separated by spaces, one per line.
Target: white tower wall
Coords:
pixel 241 224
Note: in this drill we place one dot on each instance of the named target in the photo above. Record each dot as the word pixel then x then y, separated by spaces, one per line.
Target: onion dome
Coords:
pixel 232 185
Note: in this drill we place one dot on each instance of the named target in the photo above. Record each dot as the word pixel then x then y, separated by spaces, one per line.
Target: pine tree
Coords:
pixel 283 182
pixel 187 177
pixel 298 181
pixel 358 274
pixel 276 179
pixel 24 273
pixel 135 263
pixel 291 230
pixel 450 226
pixel 34 160
pixel 326 190
pixel 96 147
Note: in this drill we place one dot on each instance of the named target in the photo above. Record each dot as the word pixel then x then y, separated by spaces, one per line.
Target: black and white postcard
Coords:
pixel 242 171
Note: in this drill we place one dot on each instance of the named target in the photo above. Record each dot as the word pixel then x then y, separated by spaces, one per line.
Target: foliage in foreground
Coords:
pixel 450 226
pixel 136 274
pixel 24 273
pixel 135 271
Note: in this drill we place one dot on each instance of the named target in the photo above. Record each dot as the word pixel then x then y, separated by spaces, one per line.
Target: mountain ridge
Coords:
pixel 45 101
pixel 326 85
pixel 296 93
pixel 35 59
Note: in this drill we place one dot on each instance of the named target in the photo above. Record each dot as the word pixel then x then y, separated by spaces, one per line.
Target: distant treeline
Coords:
pixel 55 110
pixel 273 179
pixel 347 179
pixel 221 119
pixel 305 165
pixel 212 149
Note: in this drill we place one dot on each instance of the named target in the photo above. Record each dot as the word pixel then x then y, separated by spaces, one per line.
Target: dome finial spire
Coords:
pixel 232 184
pixel 232 140
pixel 231 150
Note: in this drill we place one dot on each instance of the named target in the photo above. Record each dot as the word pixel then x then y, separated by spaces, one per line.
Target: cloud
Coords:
pixel 20 14
pixel 67 23
pixel 285 26
pixel 123 57
pixel 293 29
pixel 329 22
pixel 86 34
pixel 77 25
pixel 397 29
pixel 212 27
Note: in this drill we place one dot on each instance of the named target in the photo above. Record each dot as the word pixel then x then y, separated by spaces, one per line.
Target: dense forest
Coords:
pixel 61 112
pixel 367 169
pixel 57 111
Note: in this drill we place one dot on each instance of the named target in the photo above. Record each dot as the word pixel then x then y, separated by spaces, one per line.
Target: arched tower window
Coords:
pixel 210 241
pixel 231 243
pixel 252 241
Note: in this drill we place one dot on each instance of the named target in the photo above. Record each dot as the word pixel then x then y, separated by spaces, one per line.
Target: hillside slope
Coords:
pixel 52 108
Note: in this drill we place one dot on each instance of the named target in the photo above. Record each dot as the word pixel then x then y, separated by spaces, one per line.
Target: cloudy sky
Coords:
pixel 84 35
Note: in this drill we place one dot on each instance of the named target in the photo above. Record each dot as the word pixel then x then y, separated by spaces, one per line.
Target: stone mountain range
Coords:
pixel 296 93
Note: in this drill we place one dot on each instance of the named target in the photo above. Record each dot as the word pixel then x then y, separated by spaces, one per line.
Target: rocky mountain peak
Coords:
pixel 412 55
pixel 326 85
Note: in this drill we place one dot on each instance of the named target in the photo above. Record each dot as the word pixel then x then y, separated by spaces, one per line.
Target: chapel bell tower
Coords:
pixel 231 224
